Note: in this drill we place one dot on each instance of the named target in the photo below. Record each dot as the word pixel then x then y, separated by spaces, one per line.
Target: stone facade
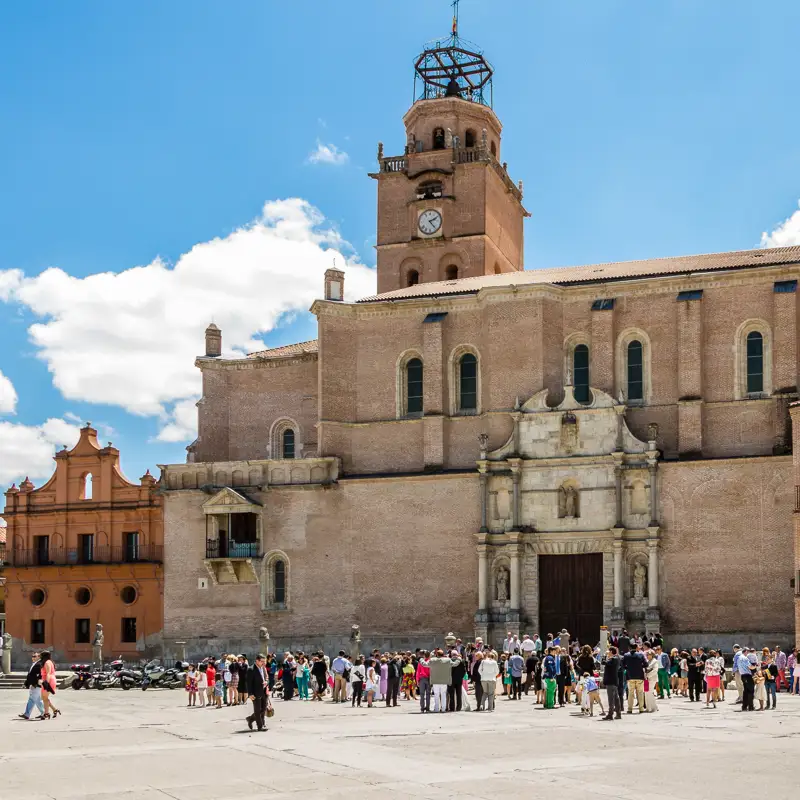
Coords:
pixel 473 421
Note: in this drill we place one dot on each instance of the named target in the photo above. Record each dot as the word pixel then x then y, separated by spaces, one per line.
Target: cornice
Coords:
pixel 253 363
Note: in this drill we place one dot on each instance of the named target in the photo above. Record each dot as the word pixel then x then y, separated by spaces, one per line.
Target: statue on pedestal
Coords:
pixel 97 644
pixel 355 642
pixel 263 639
pixel 8 643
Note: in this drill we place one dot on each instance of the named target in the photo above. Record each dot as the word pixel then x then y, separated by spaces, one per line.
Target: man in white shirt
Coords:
pixel 508 643
pixel 527 646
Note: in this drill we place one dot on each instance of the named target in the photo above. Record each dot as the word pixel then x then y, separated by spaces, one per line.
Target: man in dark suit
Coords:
pixel 258 691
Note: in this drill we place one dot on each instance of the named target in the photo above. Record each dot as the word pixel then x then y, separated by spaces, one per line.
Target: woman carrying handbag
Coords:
pixel 48 685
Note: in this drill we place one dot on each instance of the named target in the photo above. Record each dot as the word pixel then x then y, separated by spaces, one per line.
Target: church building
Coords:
pixel 479 448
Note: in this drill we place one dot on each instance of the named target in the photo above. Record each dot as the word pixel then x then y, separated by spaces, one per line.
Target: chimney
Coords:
pixel 334 284
pixel 213 341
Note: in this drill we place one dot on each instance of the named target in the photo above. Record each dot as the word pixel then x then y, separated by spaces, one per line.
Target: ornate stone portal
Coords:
pixel 572 479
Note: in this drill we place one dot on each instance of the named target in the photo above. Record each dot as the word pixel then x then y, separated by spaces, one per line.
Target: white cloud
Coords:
pixel 327 154
pixel 130 339
pixel 27 450
pixel 8 396
pixel 785 234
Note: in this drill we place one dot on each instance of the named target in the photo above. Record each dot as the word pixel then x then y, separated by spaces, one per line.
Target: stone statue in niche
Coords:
pixel 568 502
pixel 502 584
pixel 639 581
pixel 652 431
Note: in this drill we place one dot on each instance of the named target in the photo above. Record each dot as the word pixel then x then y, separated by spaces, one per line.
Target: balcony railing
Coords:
pixel 70 557
pixel 217 549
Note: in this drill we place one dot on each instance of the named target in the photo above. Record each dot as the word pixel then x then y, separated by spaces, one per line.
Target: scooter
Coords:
pixel 83 676
pixel 153 675
pixel 128 678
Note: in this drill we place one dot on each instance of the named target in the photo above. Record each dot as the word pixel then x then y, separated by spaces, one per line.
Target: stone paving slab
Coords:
pixel 150 746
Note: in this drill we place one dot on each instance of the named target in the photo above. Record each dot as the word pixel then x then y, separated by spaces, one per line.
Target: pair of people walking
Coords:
pixel 41 685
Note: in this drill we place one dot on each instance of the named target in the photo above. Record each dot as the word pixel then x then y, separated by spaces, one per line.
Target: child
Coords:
pixel 592 690
pixel 583 696
pixel 202 685
pixel 191 684
pixel 761 691
pixel 219 687
pixel 211 677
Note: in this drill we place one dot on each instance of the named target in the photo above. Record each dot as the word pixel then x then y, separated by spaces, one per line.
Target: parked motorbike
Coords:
pixel 84 678
pixel 129 678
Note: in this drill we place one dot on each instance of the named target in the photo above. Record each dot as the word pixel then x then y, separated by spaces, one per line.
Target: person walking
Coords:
pixel 258 691
pixel 611 673
pixel 771 672
pixel 634 665
pixel 33 683
pixel 48 685
pixel 489 670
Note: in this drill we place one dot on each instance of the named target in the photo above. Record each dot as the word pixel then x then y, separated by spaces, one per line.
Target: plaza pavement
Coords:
pixel 148 746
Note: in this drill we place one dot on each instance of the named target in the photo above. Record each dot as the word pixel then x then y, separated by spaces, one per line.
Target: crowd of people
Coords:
pixel 636 671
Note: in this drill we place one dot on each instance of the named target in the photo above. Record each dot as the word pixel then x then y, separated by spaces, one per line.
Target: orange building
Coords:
pixel 86 547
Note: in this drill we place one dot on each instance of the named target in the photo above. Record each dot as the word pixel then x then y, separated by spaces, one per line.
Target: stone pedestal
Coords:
pixel 652 620
pixel 512 622
pixel 482 625
pixel 603 640
pixel 97 655
pixel 181 649
pixel 6 660
pixel 618 619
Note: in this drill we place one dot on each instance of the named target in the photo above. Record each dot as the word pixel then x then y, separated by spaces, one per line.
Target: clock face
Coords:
pixel 430 221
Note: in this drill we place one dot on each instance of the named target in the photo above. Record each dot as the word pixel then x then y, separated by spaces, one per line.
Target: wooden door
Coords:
pixel 571 596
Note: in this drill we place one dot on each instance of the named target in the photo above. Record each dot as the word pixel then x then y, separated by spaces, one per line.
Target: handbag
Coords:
pixel 270 710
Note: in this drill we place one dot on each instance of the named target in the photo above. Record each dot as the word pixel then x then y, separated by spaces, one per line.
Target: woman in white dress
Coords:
pixel 651 674
pixel 373 683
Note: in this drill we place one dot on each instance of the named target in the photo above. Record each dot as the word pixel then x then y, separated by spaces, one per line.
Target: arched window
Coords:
pixel 469 138
pixel 755 362
pixel 468 382
pixel 438 138
pixel 451 273
pixel 276 581
pixel 429 189
pixel 497 270
pixel 580 373
pixel 414 386
pixel 412 279
pixel 279 583
pixel 87 487
pixel 287 444
pixel 493 148
pixel 635 370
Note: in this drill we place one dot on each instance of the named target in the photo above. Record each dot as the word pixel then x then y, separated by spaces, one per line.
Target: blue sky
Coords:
pixel 138 131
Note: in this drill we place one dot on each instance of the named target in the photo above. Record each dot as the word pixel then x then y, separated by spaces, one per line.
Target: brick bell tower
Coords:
pixel 447 207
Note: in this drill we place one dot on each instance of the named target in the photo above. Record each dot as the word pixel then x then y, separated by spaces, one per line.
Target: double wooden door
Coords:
pixel 571 595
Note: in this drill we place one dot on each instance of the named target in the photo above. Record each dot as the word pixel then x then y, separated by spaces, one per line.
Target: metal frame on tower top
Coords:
pixel 453 67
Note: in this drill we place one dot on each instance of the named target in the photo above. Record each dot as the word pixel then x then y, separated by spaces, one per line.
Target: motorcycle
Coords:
pixel 83 676
pixel 129 677
pixel 153 675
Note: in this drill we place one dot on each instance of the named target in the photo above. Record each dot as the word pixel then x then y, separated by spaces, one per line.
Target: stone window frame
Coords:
pixel 454 382
pixel 401 383
pixel 740 353
pixel 276 438
pixel 570 343
pixel 621 365
pixel 268 581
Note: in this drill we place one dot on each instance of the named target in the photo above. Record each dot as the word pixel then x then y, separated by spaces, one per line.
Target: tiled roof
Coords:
pixel 288 350
pixel 623 270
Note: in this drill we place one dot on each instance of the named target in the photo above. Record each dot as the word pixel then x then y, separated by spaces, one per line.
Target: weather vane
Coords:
pixel 455 16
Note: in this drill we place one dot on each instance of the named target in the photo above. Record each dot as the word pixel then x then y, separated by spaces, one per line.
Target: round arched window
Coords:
pixel 38 597
pixel 83 596
pixel 128 595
